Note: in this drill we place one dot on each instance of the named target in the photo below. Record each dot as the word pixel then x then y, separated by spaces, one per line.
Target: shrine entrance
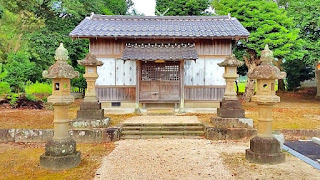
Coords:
pixel 160 81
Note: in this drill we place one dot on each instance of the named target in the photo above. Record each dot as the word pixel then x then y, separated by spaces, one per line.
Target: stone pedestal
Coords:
pixel 90 116
pixel 230 109
pixel 265 150
pixel 90 110
pixel 60 154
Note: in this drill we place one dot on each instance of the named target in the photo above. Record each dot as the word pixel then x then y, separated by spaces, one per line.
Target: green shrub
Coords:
pixel 31 97
pixel 13 97
pixel 4 86
pixel 297 71
pixel 38 88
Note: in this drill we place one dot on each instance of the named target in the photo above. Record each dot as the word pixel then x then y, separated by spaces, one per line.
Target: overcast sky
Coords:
pixel 146 7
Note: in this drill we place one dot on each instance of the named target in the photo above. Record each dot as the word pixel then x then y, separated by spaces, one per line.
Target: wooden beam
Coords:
pixel 182 110
pixel 138 74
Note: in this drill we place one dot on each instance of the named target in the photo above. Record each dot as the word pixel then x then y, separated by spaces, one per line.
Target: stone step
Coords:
pixel 161 124
pixel 160 136
pixel 163 128
pixel 188 133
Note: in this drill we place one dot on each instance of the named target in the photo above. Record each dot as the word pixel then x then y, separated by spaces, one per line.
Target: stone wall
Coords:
pixel 43 135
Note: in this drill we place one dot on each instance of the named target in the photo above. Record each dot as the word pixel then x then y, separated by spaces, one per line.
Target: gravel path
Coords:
pixel 167 159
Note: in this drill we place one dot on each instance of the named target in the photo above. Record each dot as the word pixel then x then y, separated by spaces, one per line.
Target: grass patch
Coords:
pixel 38 88
pixel 21 161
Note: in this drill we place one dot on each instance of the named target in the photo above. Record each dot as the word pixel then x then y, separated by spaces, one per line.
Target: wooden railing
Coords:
pixel 112 93
pixel 204 93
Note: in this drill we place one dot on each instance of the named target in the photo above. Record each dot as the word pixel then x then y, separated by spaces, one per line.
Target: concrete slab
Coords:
pixel 163 119
pixel 316 140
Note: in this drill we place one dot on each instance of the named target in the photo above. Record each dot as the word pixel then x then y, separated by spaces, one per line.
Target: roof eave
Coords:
pixel 160 37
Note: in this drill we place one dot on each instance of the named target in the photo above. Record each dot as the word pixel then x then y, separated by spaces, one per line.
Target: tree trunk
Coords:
pixel 251 63
pixel 249 91
pixel 278 64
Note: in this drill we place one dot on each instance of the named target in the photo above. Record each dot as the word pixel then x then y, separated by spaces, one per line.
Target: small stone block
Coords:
pixel 56 148
pixel 7 135
pixel 232 104
pixel 316 140
pixel 90 114
pixel 90 105
pixel 265 151
pixel 230 113
pixel 60 162
pixel 111 134
pixel 261 158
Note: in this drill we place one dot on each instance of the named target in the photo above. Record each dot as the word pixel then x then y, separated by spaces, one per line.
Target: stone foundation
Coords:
pixel 265 151
pixel 230 109
pixel 60 154
pixel 90 115
pixel 213 133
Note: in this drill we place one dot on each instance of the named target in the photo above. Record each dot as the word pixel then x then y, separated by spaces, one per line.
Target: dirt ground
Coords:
pixel 21 161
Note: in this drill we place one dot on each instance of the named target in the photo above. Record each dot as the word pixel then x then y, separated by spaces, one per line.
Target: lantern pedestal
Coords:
pixel 230 109
pixel 89 116
pixel 60 155
pixel 265 150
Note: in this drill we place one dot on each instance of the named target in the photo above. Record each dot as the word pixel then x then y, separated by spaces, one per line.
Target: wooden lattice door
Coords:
pixel 160 81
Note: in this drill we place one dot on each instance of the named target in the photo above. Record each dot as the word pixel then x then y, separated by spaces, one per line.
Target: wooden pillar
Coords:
pixel 138 72
pixel 182 110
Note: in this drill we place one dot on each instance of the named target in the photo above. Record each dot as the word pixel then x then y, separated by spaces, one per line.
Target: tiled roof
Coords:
pixel 171 52
pixel 160 26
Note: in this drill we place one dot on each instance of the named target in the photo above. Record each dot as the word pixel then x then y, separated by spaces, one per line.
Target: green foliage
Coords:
pixel 1 11
pixel 306 14
pixel 297 71
pixel 182 7
pixel 117 6
pixel 31 30
pixel 267 24
pixel 79 82
pixel 38 88
pixel 4 86
pixel 13 97
pixel 31 97
pixel 20 70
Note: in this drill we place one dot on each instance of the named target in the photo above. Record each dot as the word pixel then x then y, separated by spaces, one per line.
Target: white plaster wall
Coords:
pixel 116 72
pixel 204 71
pixel 213 72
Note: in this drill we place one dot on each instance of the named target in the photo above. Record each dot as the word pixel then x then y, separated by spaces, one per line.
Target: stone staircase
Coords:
pixel 160 112
pixel 162 130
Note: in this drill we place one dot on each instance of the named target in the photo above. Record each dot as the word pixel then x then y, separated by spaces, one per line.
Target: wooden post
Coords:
pixel 182 110
pixel 138 71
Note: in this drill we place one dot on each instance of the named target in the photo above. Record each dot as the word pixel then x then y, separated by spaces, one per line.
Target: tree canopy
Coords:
pixel 182 7
pixel 31 30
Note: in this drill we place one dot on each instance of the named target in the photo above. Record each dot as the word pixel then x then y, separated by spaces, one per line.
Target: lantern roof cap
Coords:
pixel 266 70
pixel 230 60
pixel 61 68
pixel 90 60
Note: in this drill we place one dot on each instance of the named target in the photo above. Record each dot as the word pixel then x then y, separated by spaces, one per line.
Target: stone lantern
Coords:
pixel 230 106
pixel 265 148
pixel 60 152
pixel 90 114
pixel 90 63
